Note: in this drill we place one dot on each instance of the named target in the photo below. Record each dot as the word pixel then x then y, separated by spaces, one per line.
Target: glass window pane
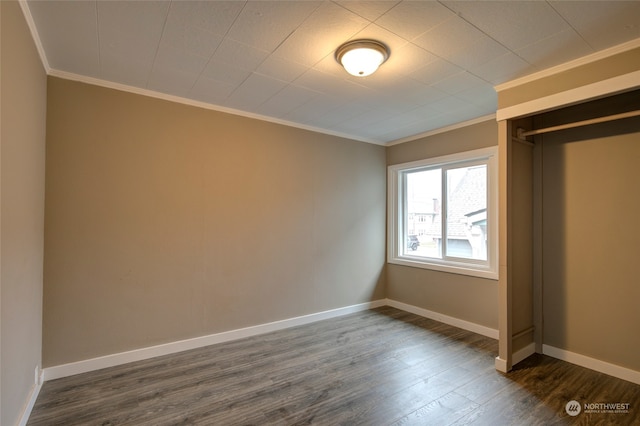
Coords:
pixel 439 213
pixel 423 218
pixel 466 226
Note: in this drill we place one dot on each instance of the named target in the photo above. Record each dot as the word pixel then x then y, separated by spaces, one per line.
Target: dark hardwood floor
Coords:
pixel 378 367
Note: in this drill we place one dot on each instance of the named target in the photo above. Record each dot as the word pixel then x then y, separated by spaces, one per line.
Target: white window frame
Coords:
pixel 396 253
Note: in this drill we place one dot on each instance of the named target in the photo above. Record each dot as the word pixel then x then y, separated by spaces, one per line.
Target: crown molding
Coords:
pixel 199 104
pixel 34 34
pixel 158 95
pixel 443 129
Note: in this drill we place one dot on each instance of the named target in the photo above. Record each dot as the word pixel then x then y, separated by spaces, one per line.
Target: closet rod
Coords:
pixel 582 123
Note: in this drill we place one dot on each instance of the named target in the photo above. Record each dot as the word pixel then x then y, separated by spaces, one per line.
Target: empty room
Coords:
pixel 319 212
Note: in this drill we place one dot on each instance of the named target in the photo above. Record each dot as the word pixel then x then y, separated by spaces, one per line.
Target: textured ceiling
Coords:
pixel 275 59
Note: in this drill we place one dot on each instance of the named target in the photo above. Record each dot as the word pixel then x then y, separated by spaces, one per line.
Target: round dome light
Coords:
pixel 362 57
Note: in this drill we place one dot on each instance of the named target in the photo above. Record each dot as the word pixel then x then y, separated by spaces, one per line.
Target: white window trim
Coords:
pixel 395 225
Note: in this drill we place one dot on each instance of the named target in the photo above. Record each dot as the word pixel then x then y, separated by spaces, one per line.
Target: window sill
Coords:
pixel 462 269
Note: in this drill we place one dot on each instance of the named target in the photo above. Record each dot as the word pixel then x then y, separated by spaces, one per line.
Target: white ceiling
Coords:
pixel 275 59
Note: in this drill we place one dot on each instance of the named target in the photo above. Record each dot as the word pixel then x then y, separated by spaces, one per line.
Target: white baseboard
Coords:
pixel 523 353
pixel 84 366
pixel 527 351
pixel 70 369
pixel 456 322
pixel 593 364
pixel 26 411
pixel 501 365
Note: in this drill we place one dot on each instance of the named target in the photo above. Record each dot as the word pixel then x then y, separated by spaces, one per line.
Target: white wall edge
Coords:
pixel 70 369
pixel 573 96
pixel 26 411
pixel 445 129
pixel 593 364
pixel 523 353
pixel 456 322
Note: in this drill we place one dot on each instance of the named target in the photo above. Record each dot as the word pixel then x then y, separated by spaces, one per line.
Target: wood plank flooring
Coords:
pixel 378 367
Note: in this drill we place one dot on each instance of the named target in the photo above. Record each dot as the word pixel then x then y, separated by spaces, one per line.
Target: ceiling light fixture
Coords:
pixel 362 57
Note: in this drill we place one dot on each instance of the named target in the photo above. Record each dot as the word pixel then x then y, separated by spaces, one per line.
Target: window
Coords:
pixel 443 213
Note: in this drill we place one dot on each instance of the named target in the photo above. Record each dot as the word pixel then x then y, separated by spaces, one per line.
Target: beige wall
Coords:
pixel 459 296
pixel 590 236
pixel 23 116
pixel 165 222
